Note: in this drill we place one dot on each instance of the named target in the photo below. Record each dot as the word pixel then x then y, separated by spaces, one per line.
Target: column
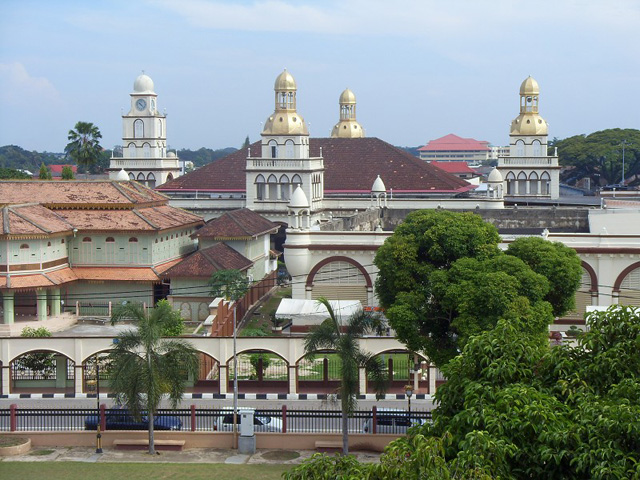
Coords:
pixel 41 295
pixel 6 380
pixel 293 380
pixel 7 305
pixel 432 379
pixel 222 375
pixel 362 380
pixel 61 371
pixel 416 373
pixel 55 302
pixel 79 377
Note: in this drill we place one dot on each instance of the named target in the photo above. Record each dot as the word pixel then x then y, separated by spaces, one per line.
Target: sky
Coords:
pixel 420 69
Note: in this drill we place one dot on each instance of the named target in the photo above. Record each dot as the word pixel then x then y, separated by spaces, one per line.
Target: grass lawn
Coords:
pixel 134 471
pixel 262 320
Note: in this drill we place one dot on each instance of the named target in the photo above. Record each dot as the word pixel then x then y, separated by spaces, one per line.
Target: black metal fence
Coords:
pixel 372 421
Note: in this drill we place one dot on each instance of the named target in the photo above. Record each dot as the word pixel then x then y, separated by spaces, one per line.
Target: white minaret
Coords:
pixel 284 162
pixel 144 140
pixel 529 171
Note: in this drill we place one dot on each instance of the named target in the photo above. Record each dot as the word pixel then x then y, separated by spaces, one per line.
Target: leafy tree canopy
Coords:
pixel 11 174
pixel 442 278
pixel 84 144
pixel 229 284
pixel 45 173
pixel 204 155
pixel 599 156
pixel 67 173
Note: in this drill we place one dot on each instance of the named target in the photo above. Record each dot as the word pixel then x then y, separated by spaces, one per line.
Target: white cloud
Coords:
pixel 16 85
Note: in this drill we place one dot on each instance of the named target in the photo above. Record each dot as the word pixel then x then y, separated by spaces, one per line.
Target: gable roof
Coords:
pixel 31 219
pixel 235 225
pixel 203 263
pixel 453 142
pixel 455 167
pixel 351 166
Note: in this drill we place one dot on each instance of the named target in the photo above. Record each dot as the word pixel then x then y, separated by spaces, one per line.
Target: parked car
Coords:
pixel 261 423
pixel 392 421
pixel 121 419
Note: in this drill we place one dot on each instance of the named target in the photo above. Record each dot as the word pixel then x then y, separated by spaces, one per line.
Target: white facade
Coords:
pixel 144 140
pixel 528 170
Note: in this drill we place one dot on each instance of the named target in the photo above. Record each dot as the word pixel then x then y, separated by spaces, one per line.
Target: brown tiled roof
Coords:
pixel 38 280
pixel 121 274
pixel 140 219
pixel 203 263
pixel 351 166
pixel 31 219
pixel 78 194
pixel 237 224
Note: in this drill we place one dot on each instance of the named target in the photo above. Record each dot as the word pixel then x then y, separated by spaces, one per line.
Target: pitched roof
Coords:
pixel 120 274
pixel 237 224
pixel 79 194
pixel 455 167
pixel 46 279
pixel 351 166
pixel 57 169
pixel 453 142
pixel 31 219
pixel 203 263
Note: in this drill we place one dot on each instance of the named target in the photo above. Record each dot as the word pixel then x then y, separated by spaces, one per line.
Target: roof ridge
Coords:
pixel 119 187
pixel 243 228
pixel 35 224
pixel 141 216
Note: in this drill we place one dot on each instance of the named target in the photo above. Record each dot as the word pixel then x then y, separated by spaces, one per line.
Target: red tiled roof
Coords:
pixel 453 142
pixel 237 224
pixel 38 280
pixel 351 165
pixel 31 219
pixel 121 274
pixel 454 167
pixel 78 193
pixel 58 168
pixel 203 263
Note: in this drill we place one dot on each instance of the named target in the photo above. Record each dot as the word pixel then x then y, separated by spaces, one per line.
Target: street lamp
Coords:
pixel 408 390
pixel 98 434
pixel 624 143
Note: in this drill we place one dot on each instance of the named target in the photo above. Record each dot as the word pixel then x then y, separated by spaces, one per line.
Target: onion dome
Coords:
pixel 122 176
pixel 495 176
pixel 529 87
pixel 143 84
pixel 378 186
pixel 298 199
pixel 347 97
pixel 285 82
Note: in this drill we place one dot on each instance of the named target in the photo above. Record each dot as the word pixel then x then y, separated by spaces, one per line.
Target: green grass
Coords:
pixel 262 321
pixel 141 471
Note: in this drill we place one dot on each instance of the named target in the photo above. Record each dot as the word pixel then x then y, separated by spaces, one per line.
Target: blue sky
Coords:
pixel 420 68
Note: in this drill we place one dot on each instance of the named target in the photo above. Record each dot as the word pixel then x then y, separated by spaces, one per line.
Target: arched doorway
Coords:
pixel 42 371
pixel 259 371
pixel 340 278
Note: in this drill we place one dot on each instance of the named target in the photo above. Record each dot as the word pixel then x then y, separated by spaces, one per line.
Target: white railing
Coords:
pixel 135 163
pixel 280 163
pixel 527 161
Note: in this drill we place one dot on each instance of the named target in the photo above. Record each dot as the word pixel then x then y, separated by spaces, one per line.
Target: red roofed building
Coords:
pixel 56 170
pixel 452 148
pixel 460 170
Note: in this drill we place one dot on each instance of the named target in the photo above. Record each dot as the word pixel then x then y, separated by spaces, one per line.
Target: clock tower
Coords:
pixel 144 140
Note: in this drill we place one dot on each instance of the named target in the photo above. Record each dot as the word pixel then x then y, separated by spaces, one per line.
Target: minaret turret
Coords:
pixel 348 126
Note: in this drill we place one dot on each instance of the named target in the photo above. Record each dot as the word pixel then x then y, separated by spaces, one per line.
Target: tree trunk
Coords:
pixel 152 447
pixel 345 427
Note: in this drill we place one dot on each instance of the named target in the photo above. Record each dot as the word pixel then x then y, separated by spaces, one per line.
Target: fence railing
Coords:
pixel 210 420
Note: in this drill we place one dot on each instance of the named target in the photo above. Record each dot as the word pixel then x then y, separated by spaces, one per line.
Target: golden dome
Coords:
pixel 347 129
pixel 284 122
pixel 529 124
pixel 347 97
pixel 529 87
pixel 285 82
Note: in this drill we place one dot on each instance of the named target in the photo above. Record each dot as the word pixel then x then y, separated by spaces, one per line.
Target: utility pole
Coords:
pixel 624 143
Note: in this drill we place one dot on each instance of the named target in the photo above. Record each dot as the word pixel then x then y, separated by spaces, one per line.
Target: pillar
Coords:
pixel 432 379
pixel 61 371
pixel 41 296
pixel 362 380
pixel 79 377
pixel 6 380
pixel 8 306
pixel 416 373
pixel 224 379
pixel 293 380
pixel 55 302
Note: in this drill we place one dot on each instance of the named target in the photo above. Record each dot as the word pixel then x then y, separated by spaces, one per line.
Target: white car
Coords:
pixel 392 421
pixel 261 423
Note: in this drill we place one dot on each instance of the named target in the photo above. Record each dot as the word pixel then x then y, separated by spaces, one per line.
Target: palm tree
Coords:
pixel 84 146
pixel 144 366
pixel 332 334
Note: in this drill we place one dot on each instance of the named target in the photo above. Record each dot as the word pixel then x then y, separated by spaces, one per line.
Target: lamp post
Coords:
pixel 98 434
pixel 235 377
pixel 408 390
pixel 624 143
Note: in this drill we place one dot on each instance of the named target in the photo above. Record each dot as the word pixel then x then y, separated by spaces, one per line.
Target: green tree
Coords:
pixel 84 144
pixel 342 337
pixel 45 173
pixel 11 174
pixel 144 366
pixel 599 156
pixel 229 284
pixel 246 144
pixel 67 173
pixel 442 279
pixel 40 362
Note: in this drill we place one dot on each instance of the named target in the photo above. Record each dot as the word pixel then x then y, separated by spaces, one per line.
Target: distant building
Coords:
pixel 452 148
pixel 460 170
pixel 56 170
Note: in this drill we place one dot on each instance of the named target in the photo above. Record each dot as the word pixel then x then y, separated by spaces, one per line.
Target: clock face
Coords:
pixel 141 104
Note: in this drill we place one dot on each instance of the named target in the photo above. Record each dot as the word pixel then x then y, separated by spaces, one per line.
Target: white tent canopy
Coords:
pixel 310 312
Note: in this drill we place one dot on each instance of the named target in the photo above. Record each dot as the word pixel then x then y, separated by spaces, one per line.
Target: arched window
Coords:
pixel 48 244
pixel 533 183
pixel 24 246
pixel 630 289
pixel 110 240
pixel 132 150
pixel 273 148
pixel 273 187
pixel 545 181
pixel 62 241
pixel 138 129
pixel 131 176
pixel 522 184
pixel 520 148
pixel 285 188
pixel 151 180
pixel 288 148
pixel 537 148
pixel 159 128
pixel 146 150
pixel 260 187
pixel 86 239
pixel 141 178
pixel 133 240
pixel 511 181
pixel 296 180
